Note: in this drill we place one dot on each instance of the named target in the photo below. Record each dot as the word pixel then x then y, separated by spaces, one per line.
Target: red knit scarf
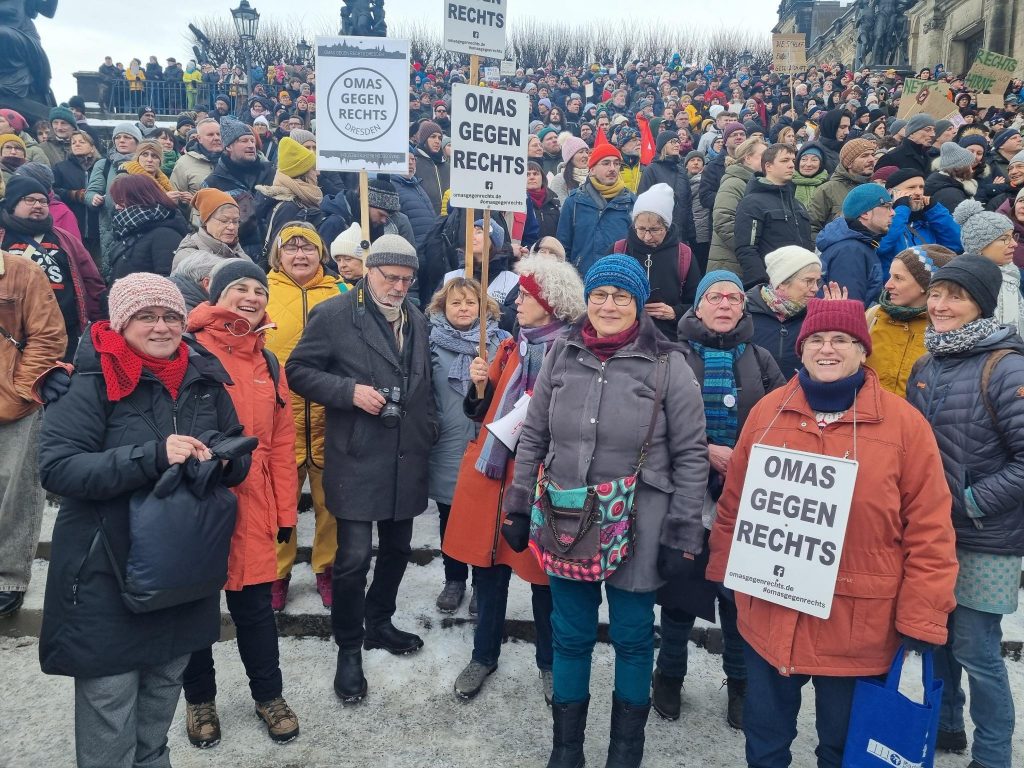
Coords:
pixel 538 195
pixel 603 348
pixel 122 366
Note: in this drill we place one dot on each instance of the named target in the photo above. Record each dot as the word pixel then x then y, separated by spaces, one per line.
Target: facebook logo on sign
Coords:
pixel 780 571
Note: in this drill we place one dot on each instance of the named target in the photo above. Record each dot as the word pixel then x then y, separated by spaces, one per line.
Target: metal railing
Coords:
pixel 164 96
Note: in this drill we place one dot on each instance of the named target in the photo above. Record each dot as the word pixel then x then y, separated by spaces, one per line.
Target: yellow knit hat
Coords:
pixel 293 159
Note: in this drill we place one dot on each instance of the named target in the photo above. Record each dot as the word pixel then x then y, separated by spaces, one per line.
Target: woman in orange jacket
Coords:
pixel 232 325
pixel 898 562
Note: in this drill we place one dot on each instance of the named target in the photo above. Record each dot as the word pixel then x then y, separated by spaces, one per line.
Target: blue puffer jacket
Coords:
pixel 977 455
pixel 931 225
pixel 416 205
pixel 589 226
pixel 848 257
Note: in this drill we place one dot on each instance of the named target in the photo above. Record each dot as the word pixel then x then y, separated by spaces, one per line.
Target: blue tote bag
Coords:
pixel 889 729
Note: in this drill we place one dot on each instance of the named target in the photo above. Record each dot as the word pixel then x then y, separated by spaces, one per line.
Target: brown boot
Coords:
pixel 202 724
pixel 282 723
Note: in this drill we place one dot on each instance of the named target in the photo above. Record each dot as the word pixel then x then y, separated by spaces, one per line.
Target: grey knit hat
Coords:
pixel 1018 158
pixel 918 122
pixel 127 128
pixel 232 130
pixel 953 157
pixel 301 135
pixel 231 271
pixel 391 251
pixel 893 126
pixel 978 227
pixel 381 194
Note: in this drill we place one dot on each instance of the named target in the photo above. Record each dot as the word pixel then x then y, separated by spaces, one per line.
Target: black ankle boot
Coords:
pixel 569 728
pixel 737 695
pixel 626 748
pixel 667 698
pixel 349 683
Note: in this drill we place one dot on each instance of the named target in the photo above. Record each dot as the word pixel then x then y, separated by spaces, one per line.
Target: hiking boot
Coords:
pixel 451 596
pixel 279 593
pixel 282 724
pixel 547 681
pixel 472 679
pixel 202 724
pixel 666 698
pixel 951 741
pixel 349 683
pixel 392 640
pixel 323 586
pixel 626 747
pixel 569 726
pixel 10 602
pixel 737 695
pixel 472 604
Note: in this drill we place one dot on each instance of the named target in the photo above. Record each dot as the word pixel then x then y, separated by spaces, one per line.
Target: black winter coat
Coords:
pixel 777 336
pixel 371 472
pixel 768 217
pixel 415 204
pixel 909 155
pixel 547 215
pixel 943 188
pixel 240 182
pixel 673 172
pixel 150 248
pixel 976 453
pixel 711 180
pixel 70 180
pixel 95 454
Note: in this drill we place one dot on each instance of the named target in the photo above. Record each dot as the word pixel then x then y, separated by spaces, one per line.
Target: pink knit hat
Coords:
pixel 138 291
pixel 572 145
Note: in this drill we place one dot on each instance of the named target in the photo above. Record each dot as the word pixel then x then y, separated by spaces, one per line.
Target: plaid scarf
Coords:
pixel 466 344
pixel 719 384
pixel 125 221
pixel 962 339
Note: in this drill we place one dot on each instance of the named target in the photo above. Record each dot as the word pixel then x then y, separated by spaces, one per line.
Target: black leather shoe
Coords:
pixel 10 602
pixel 349 683
pixel 392 640
pixel 667 695
pixel 951 741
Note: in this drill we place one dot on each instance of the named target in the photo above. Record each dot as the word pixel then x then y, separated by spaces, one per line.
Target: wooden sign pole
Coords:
pixel 474 79
pixel 485 258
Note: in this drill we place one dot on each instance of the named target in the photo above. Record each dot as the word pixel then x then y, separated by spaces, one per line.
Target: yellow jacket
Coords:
pixel 630 176
pixel 895 347
pixel 192 79
pixel 289 306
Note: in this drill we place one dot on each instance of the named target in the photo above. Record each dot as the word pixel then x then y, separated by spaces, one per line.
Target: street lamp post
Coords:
pixel 304 50
pixel 746 58
pixel 247 23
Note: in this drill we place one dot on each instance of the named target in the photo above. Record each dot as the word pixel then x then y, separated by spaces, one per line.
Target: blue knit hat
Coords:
pixel 716 276
pixel 863 198
pixel 497 234
pixel 620 271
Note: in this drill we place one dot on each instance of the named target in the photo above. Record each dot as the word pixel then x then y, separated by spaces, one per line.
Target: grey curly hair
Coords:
pixel 561 284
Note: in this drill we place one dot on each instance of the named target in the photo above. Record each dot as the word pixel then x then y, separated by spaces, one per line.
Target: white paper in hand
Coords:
pixel 508 428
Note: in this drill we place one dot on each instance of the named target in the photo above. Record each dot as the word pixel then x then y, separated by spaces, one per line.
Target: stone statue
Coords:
pixel 885 43
pixel 363 18
pixel 863 28
pixel 24 67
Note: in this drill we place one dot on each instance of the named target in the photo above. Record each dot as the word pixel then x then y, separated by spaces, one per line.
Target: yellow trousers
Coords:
pixel 325 537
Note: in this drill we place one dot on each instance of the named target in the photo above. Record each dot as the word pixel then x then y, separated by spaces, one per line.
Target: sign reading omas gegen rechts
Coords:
pixel 790 528
pixel 489 140
pixel 362 115
pixel 475 27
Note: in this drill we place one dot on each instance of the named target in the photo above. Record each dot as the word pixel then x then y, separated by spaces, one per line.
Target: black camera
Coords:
pixel 391 413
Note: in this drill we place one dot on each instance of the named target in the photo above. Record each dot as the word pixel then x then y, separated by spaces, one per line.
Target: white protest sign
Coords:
pixel 790 528
pixel 362 115
pixel 491 75
pixel 508 428
pixel 489 139
pixel 508 67
pixel 588 90
pixel 476 27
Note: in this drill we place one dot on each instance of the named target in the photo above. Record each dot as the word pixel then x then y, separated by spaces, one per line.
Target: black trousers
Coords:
pixel 256 632
pixel 453 569
pixel 355 606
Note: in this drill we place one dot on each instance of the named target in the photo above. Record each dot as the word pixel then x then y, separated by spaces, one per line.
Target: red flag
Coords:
pixel 648 148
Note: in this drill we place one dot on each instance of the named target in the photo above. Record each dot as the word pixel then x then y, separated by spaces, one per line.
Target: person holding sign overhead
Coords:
pixel 832 437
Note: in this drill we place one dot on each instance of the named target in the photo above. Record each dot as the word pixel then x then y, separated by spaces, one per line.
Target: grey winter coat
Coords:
pixel 202 241
pixel 586 424
pixel 701 215
pixel 371 472
pixel 976 453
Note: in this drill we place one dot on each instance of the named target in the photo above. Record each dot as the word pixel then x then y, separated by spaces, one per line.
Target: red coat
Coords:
pixel 898 566
pixel 472 535
pixel 268 498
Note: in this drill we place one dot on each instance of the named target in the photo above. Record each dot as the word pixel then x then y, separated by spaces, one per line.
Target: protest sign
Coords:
pixel 924 96
pixel 588 90
pixel 790 528
pixel 489 138
pixel 789 54
pixel 363 121
pixel 509 427
pixel 491 75
pixel 990 72
pixel 476 27
pixel 508 67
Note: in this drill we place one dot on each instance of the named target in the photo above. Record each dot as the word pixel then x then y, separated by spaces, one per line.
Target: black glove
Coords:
pixel 674 563
pixel 54 386
pixel 918 646
pixel 516 531
pixel 284 535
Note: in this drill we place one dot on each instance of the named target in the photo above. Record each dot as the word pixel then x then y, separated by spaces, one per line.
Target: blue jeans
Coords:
pixel 574 621
pixel 771 707
pixel 675 640
pixel 974 645
pixel 491 600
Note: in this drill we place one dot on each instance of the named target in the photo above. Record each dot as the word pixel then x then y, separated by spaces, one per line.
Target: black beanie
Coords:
pixel 229 272
pixel 664 138
pixel 19 187
pixel 980 277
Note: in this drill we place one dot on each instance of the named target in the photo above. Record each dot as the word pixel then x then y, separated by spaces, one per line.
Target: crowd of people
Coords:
pixel 708 260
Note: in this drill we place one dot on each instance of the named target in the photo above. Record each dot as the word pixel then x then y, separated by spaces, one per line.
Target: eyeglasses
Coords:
pixel 838 343
pixel 644 231
pixel 171 319
pixel 308 248
pixel 227 222
pixel 36 202
pixel 734 299
pixel 396 279
pixel 1013 237
pixel 597 298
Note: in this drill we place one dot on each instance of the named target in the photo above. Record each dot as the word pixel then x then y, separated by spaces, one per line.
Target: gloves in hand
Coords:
pixel 54 386
pixel 918 646
pixel 516 531
pixel 284 535
pixel 674 563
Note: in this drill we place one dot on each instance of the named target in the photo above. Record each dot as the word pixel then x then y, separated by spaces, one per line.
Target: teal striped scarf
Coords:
pixel 720 385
